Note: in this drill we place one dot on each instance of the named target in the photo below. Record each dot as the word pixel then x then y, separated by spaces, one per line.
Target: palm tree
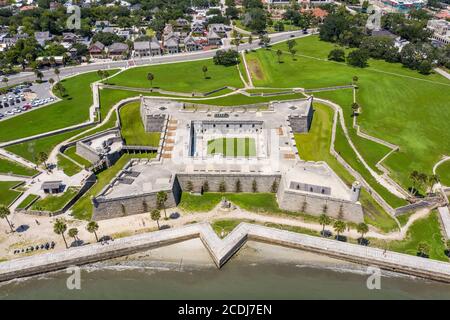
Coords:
pixel 155 215
pixel 42 158
pixel 205 70
pixel 73 233
pixel 150 77
pixel 4 213
pixel 92 227
pixel 161 198
pixel 51 81
pixel 5 81
pixel 324 220
pixel 293 51
pixel 291 44
pixel 106 76
pixel 60 88
pixel 57 72
pixel 100 74
pixel 363 229
pixel 250 39
pixel 279 54
pixel 423 249
pixel 339 226
pixel 38 74
pixel 414 177
pixel 355 79
pixel 355 107
pixel 432 180
pixel 59 227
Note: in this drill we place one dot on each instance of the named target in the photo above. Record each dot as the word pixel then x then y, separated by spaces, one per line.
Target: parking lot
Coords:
pixel 23 98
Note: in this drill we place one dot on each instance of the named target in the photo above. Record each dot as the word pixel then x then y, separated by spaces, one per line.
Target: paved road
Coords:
pixel 29 76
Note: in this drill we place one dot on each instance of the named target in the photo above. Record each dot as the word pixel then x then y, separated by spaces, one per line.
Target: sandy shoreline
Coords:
pixel 193 254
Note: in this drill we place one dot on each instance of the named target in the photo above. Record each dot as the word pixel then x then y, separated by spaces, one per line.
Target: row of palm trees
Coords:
pixel 60 227
pixel 339 226
pixel 420 180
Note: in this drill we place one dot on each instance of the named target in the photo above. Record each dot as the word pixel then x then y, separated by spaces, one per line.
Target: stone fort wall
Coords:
pixel 133 204
pixel 318 204
pixel 300 124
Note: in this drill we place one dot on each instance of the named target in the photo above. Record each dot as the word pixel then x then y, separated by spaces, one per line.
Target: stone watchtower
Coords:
pixel 356 190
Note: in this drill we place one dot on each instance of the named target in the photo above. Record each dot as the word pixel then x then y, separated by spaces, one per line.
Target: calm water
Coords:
pixel 241 278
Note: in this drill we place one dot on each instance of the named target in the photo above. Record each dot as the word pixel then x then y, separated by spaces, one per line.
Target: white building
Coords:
pixel 441 30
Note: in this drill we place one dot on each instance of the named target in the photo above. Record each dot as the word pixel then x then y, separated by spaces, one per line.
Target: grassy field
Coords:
pixel 27 201
pixel 133 129
pixel 443 171
pixel 181 77
pixel 30 149
pixel 73 109
pixel 72 153
pixel 423 230
pixel 7 195
pixel 54 203
pixel 83 208
pixel 68 166
pixel 7 166
pixel 315 146
pixel 399 105
pixel 232 147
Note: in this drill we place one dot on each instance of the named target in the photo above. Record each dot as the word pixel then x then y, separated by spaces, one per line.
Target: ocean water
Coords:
pixel 243 277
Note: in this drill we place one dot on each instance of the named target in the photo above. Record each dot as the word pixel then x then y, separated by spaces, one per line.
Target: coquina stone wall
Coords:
pixel 134 204
pixel 263 182
pixel 87 152
pixel 318 204
pixel 301 124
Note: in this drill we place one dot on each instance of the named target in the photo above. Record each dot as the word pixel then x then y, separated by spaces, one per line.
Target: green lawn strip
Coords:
pixel 223 227
pixel 240 99
pixel 232 147
pixel 7 194
pixel 7 166
pixel 371 151
pixel 398 105
pixel 72 110
pixel 68 166
pixel 29 150
pixel 72 153
pixel 27 201
pixel 315 146
pixel 181 77
pixel 54 203
pixel 133 131
pixel 344 149
pixel 423 230
pixel 111 123
pixel 241 67
pixel 262 90
pixel 83 207
pixel 443 171
pixel 199 203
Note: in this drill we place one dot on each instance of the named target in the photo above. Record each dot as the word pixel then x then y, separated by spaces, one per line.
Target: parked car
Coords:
pixel 9 113
pixel 1 115
pixel 16 110
pixel 27 106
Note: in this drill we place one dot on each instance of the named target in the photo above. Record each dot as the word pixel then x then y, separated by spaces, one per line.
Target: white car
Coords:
pixel 16 110
pixel 9 113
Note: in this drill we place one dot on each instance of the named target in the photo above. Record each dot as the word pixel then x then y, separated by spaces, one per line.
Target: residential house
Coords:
pixel 190 44
pixel 197 27
pixel 155 47
pixel 97 50
pixel 171 45
pixel 69 37
pixel 219 28
pixel 214 39
pixel 118 50
pixel 42 36
pixel 125 33
pixel 181 25
pixel 142 49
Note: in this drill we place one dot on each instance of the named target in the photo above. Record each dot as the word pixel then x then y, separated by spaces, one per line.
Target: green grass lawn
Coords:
pixel 8 166
pixel 443 171
pixel 7 194
pixel 54 203
pixel 133 129
pixel 72 153
pixel 68 166
pixel 315 146
pixel 426 230
pixel 30 149
pixel 399 105
pixel 181 77
pixel 83 208
pixel 27 201
pixel 73 109
pixel 232 147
